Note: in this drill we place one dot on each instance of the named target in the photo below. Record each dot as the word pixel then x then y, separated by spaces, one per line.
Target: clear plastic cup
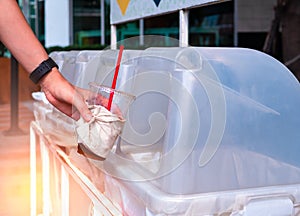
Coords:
pixel 97 137
pixel 100 94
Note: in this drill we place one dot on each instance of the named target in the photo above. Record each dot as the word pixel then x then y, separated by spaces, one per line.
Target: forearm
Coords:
pixel 18 37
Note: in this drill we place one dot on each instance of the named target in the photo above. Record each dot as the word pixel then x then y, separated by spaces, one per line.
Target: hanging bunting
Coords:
pixel 129 10
pixel 157 2
pixel 123 4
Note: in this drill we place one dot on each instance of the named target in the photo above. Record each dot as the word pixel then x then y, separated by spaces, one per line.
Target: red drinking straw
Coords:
pixel 113 86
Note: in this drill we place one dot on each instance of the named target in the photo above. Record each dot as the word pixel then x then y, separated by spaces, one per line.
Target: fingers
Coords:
pixel 81 106
pixel 63 107
pixel 67 99
pixel 75 115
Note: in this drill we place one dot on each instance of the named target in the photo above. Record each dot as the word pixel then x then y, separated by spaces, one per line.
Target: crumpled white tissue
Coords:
pixel 40 96
pixel 99 134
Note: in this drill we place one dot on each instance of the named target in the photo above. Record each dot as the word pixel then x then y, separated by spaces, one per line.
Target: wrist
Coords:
pixel 54 76
pixel 42 70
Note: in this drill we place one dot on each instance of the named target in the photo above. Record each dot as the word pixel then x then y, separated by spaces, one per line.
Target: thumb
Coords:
pixel 82 107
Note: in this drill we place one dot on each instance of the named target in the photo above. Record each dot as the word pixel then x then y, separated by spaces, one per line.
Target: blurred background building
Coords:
pixel 271 26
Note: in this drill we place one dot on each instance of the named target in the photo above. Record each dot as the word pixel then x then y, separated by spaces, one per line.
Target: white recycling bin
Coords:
pixel 86 66
pixel 213 131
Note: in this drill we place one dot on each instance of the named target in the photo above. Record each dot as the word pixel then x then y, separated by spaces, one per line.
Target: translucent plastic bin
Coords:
pixel 78 67
pixel 107 66
pixel 213 131
pixel 210 128
pixel 87 65
pixel 58 57
pixel 66 63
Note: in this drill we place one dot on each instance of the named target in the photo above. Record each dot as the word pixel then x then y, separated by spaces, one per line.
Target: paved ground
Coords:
pixel 14 163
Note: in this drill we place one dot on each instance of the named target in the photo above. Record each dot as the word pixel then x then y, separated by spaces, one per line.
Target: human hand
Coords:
pixel 61 94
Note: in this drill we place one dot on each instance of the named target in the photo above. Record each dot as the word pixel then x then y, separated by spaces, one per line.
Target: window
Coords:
pixel 86 20
pixel 211 25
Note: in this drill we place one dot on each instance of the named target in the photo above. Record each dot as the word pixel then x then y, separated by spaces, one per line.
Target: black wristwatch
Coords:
pixel 44 68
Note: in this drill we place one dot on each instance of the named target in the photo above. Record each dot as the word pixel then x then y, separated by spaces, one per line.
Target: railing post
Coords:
pixel 14 99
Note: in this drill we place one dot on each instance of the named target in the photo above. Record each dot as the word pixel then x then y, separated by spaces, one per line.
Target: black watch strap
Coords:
pixel 44 68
